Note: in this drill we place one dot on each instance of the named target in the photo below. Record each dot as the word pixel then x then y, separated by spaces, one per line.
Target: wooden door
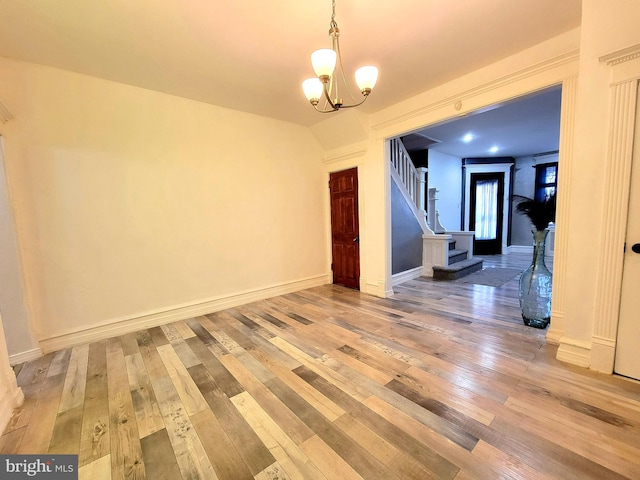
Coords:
pixel 486 212
pixel 627 358
pixel 345 236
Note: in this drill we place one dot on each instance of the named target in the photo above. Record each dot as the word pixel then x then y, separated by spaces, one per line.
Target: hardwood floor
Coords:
pixel 442 381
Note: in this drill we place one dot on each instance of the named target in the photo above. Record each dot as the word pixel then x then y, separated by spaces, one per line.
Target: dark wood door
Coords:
pixel 345 236
pixel 486 211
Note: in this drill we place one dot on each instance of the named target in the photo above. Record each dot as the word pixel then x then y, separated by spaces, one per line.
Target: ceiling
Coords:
pixel 526 126
pixel 253 55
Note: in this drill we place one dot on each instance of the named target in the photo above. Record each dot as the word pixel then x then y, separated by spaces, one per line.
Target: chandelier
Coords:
pixel 327 64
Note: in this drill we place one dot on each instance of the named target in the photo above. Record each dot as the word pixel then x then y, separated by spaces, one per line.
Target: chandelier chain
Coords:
pixel 333 14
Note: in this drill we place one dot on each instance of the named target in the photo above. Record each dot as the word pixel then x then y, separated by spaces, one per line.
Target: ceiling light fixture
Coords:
pixel 327 64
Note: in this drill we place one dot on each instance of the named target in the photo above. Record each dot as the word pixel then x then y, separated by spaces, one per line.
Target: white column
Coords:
pixel 565 162
pixel 617 177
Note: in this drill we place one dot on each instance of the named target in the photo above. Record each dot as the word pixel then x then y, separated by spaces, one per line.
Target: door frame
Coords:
pixel 473 203
pixel 505 168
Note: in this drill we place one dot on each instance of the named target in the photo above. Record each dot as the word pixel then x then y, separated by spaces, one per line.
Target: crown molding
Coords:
pixel 621 56
pixel 458 98
pixel 345 154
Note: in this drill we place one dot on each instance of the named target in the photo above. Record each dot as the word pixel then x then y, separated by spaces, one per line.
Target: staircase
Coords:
pixel 458 265
pixel 440 257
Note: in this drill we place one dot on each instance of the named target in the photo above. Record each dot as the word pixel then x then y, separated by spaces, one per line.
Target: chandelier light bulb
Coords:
pixel 366 78
pixel 324 62
pixel 312 88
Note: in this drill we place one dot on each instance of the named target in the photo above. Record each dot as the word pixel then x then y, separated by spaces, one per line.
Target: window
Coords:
pixel 546 180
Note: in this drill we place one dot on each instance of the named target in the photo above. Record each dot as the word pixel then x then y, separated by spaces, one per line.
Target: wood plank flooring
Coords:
pixel 442 381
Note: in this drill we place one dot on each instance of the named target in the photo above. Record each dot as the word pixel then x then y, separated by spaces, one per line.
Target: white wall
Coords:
pixel 445 174
pixel 132 204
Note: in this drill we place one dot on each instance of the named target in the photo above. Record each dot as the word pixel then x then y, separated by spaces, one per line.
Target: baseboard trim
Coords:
pixel 520 249
pixel 603 354
pixel 376 289
pixel 172 314
pixel 398 278
pixel 18 358
pixel 575 352
pixel 556 328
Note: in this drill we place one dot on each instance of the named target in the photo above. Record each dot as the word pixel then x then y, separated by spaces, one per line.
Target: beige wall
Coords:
pixel 130 203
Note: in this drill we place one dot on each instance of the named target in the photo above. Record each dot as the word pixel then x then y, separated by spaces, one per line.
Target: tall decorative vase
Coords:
pixel 535 286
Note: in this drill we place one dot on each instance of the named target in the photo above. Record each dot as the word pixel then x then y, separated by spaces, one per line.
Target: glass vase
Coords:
pixel 535 286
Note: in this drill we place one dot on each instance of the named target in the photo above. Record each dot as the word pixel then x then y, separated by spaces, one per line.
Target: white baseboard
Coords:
pixel 18 358
pixel 398 278
pixel 528 249
pixel 603 354
pixel 556 328
pixel 378 289
pixel 575 352
pixel 122 326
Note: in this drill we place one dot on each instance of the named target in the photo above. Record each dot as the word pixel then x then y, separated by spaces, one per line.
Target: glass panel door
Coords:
pixel 486 209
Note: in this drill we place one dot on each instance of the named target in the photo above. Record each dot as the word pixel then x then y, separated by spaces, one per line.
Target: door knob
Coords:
pixel 635 248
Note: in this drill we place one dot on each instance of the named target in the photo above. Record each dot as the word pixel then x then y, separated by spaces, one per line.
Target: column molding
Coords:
pixel 565 167
pixel 625 73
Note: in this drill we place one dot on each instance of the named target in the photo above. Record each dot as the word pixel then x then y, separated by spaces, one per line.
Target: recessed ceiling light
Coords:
pixel 494 149
pixel 467 138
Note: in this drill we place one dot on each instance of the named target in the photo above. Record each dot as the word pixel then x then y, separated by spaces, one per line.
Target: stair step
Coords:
pixel 452 244
pixel 456 256
pixel 457 270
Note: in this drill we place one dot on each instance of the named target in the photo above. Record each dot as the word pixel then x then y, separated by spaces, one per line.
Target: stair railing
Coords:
pixel 411 178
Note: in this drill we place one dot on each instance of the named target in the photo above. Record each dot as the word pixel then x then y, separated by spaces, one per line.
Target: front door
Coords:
pixel 486 210
pixel 627 359
pixel 345 236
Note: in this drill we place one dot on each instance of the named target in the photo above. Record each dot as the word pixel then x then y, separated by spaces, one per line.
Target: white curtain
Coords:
pixel 486 209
